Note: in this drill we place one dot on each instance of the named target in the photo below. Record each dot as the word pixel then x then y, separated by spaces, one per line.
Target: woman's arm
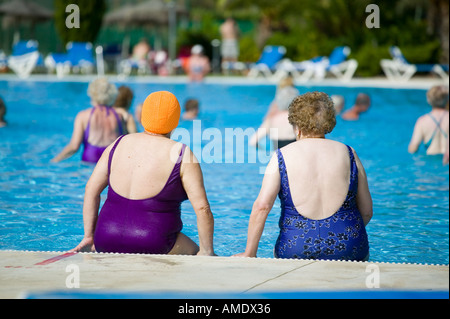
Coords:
pixel 363 198
pixel 262 131
pixel 261 207
pixel 445 158
pixel 94 187
pixel 131 125
pixel 192 179
pixel 417 138
pixel 75 142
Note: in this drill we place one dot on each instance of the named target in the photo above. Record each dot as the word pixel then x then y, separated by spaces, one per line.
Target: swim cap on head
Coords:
pixel 160 113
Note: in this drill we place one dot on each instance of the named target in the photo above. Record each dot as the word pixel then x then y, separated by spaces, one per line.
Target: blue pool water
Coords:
pixel 41 203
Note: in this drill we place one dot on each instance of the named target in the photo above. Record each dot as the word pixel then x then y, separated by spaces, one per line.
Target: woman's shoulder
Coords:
pixel 84 114
pixel 315 149
pixel 124 113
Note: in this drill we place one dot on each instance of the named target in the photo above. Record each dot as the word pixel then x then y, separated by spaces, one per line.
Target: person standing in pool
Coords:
pixel 96 127
pixel 362 105
pixel 432 128
pixel 198 65
pixel 149 176
pixel 323 189
pixel 191 109
pixel 3 122
pixel 277 117
pixel 122 106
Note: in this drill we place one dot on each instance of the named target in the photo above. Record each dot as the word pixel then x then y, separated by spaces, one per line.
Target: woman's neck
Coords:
pixel 438 110
pixel 155 134
pixel 305 137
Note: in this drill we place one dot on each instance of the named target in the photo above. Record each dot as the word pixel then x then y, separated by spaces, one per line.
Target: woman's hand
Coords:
pixel 244 254
pixel 204 253
pixel 86 245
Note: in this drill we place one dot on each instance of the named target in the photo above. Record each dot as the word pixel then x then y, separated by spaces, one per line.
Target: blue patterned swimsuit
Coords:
pixel 339 237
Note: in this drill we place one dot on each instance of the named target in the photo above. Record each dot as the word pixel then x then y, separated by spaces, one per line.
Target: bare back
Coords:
pixel 142 165
pixel 103 124
pixel 435 129
pixel 319 176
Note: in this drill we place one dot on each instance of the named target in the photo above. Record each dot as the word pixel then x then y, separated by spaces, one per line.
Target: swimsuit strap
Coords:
pixel 119 121
pixel 111 153
pixel 353 186
pixel 176 169
pixel 285 191
pixel 180 157
pixel 438 126
pixel 86 131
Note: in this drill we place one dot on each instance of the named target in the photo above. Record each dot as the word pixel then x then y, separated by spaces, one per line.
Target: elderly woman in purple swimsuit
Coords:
pixel 97 127
pixel 149 176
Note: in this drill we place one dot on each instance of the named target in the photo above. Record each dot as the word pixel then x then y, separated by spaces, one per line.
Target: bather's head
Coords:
pixel 102 92
pixel 160 113
pixel 124 98
pixel 313 114
pixel 437 96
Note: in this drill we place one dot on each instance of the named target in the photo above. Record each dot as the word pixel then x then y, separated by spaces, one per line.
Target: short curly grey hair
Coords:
pixel 102 92
pixel 313 113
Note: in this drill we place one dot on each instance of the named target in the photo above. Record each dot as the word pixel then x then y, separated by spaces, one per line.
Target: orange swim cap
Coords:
pixel 160 113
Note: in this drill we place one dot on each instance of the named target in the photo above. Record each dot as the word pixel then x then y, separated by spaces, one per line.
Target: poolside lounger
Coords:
pixel 270 56
pixel 128 65
pixel 24 58
pixel 399 69
pixel 3 60
pixel 78 59
pixel 318 67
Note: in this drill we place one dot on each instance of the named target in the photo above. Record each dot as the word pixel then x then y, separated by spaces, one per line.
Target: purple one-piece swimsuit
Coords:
pixel 92 153
pixel 147 226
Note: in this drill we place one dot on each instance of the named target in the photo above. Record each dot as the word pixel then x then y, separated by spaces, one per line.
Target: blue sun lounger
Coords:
pixel 24 58
pixel 78 59
pixel 336 63
pixel 266 64
pixel 399 69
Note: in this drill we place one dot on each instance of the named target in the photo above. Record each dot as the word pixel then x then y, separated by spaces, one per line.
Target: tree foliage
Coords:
pixel 309 28
pixel 91 16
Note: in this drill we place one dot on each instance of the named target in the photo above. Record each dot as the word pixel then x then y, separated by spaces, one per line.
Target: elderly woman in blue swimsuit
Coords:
pixel 97 127
pixel 323 190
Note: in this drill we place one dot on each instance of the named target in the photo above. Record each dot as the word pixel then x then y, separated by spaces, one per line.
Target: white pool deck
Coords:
pixel 417 82
pixel 31 274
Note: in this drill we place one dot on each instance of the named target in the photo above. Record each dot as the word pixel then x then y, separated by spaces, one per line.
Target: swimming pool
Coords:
pixel 41 203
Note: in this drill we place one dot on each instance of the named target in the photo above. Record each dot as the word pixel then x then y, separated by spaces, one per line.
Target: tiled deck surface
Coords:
pixel 23 274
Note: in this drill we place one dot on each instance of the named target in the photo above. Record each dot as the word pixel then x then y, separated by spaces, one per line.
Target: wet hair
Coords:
pixel 2 109
pixel 102 92
pixel 191 105
pixel 437 96
pixel 124 98
pixel 313 113
pixel 363 99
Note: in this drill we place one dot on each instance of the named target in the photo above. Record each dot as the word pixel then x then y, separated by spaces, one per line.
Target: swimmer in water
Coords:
pixel 96 127
pixel 198 65
pixel 149 176
pixel 122 106
pixel 432 128
pixel 3 122
pixel 362 105
pixel 191 109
